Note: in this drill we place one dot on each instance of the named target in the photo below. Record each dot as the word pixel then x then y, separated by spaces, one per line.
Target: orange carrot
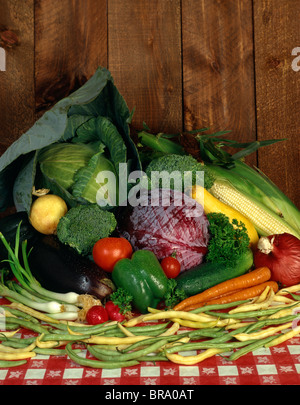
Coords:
pixel 244 294
pixel 250 279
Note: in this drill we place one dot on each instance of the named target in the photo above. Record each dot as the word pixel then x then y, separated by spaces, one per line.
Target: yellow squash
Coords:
pixel 212 204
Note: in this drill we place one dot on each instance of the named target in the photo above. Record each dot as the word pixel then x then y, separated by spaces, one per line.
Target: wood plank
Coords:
pixel 71 42
pixel 218 72
pixel 277 33
pixel 144 45
pixel 17 81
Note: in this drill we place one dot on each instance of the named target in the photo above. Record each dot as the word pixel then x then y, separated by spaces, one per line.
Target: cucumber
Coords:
pixel 206 275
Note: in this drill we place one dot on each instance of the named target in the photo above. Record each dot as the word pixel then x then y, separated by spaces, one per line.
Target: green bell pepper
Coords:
pixel 143 277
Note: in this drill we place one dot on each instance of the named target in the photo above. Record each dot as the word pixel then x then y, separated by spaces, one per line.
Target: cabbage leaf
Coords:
pixel 99 96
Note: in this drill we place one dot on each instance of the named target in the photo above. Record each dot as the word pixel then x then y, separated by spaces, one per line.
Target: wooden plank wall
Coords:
pixel 182 64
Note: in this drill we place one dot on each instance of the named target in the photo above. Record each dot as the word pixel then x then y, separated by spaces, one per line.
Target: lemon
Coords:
pixel 46 212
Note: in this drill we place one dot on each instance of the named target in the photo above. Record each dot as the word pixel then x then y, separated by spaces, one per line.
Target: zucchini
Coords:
pixel 207 274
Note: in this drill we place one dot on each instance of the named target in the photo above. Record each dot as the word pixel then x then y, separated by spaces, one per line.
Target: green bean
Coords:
pixel 158 357
pixel 152 348
pixel 218 306
pixel 228 335
pixel 296 297
pixel 243 315
pixel 117 333
pixel 141 329
pixel 35 327
pixel 20 313
pixel 15 345
pixel 10 326
pixel 251 347
pixel 96 363
pixel 272 321
pixel 25 341
pixel 12 363
pixel 94 329
pixel 102 354
pixel 91 329
pixel 206 345
pixel 63 336
pixel 152 340
pixel 50 352
pixel 209 332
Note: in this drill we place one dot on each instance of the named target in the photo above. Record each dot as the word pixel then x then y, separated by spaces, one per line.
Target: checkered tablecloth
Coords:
pixel 274 366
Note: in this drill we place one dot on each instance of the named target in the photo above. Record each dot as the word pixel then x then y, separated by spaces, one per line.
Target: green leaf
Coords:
pixel 86 185
pixel 98 96
pixel 22 192
pixel 108 133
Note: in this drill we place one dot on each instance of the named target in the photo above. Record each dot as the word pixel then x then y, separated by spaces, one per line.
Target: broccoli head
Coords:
pixel 176 164
pixel 84 225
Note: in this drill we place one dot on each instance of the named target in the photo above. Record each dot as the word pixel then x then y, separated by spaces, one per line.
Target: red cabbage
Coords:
pixel 167 221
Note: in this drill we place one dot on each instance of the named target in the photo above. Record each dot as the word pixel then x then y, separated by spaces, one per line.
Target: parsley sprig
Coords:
pixel 228 240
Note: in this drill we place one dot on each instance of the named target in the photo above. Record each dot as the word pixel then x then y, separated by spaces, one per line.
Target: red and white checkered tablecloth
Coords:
pixel 279 365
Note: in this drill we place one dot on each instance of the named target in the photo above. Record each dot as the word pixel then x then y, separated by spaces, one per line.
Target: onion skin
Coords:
pixel 281 254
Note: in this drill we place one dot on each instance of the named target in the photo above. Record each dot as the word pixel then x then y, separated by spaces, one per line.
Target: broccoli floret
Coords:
pixel 177 163
pixel 84 225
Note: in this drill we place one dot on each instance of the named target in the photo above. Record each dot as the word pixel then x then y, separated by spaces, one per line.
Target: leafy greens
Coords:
pixel 95 115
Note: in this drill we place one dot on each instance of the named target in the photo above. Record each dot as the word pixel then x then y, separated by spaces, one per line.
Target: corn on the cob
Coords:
pixel 265 220
pixel 258 188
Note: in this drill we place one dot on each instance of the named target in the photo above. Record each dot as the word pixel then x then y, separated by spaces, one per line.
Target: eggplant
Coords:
pixel 60 268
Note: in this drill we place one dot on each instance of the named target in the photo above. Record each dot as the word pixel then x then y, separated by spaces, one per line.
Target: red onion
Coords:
pixel 281 254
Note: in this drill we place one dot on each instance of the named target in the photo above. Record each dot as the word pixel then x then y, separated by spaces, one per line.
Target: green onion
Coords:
pixel 25 277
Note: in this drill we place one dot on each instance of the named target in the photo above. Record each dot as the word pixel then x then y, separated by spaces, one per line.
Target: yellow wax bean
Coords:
pixel 72 332
pixel 177 343
pixel 282 298
pixel 286 336
pixel 8 334
pixel 263 333
pixel 195 325
pixel 8 349
pixel 153 310
pixel 172 330
pixel 134 321
pixel 45 345
pixel 292 289
pixel 125 330
pixel 9 314
pixel 16 356
pixel 284 312
pixel 190 360
pixel 237 325
pixel 33 312
pixel 177 315
pixel 258 304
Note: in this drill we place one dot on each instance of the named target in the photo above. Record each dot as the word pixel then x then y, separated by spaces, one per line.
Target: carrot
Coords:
pixel 243 294
pixel 250 279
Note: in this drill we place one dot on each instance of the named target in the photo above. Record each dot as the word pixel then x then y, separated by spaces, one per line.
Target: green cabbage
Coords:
pixel 84 134
pixel 61 161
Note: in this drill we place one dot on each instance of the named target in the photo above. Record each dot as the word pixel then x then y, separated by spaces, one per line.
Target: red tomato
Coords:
pixel 170 266
pixel 96 314
pixel 108 251
pixel 114 312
